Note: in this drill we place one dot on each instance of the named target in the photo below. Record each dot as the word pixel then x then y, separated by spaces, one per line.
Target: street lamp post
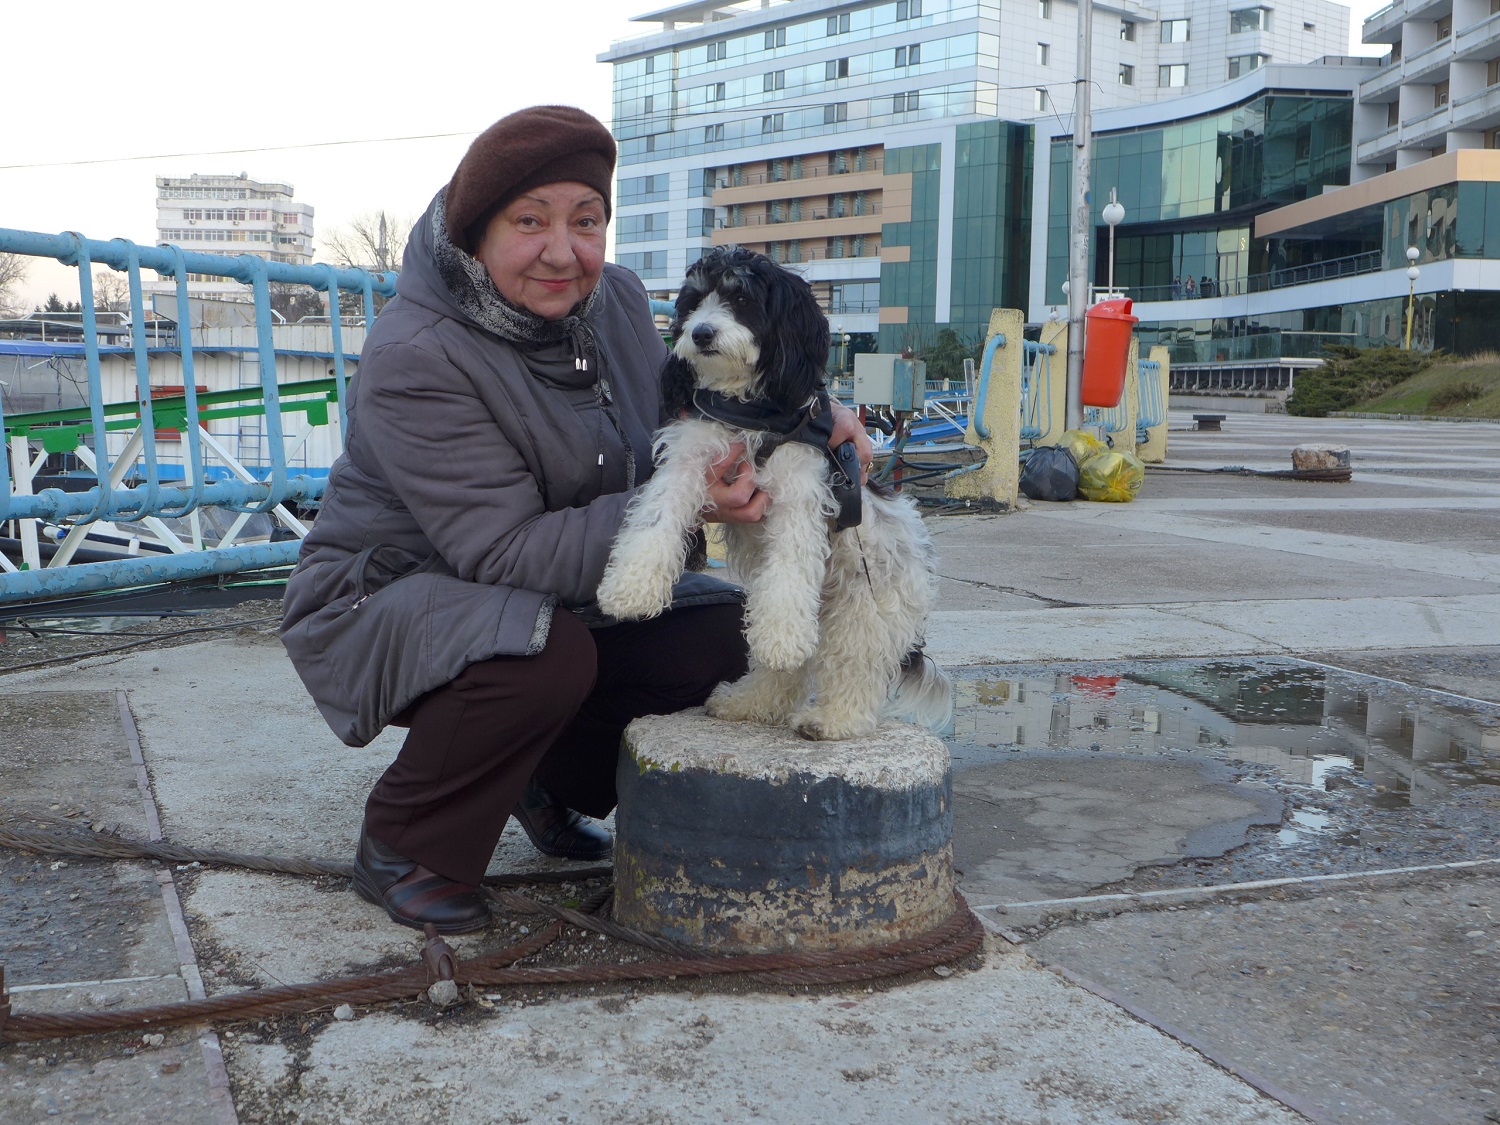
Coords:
pixel 1412 273
pixel 1114 214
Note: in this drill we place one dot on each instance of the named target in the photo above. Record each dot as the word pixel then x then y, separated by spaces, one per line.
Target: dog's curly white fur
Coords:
pixel 833 620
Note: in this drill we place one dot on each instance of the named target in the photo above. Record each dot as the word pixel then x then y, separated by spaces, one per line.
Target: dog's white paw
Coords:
pixel 739 707
pixel 781 647
pixel 820 725
pixel 631 598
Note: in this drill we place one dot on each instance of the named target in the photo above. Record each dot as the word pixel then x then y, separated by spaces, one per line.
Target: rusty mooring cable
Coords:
pixel 954 940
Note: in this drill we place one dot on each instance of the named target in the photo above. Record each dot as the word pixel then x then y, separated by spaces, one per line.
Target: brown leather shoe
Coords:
pixel 556 830
pixel 454 908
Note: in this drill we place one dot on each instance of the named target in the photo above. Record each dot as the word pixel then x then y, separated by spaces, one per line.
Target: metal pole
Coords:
pixel 1081 220
pixel 1411 296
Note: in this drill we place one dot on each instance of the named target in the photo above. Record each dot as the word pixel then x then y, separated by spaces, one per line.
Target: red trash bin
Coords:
pixel 1106 347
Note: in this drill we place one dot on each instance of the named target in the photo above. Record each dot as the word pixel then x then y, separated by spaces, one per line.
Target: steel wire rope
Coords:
pixel 956 938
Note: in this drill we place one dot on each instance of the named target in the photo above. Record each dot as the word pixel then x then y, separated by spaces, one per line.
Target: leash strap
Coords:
pixel 810 424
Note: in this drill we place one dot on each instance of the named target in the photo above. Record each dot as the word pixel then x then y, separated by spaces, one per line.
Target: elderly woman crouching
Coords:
pixel 499 423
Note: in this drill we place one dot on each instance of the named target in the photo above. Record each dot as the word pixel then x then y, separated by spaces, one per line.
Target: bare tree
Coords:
pixel 12 273
pixel 372 241
pixel 111 291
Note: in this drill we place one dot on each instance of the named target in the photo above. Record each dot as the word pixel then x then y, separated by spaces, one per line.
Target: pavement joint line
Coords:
pixel 1399 683
pixel 221 1096
pixel 1294 1102
pixel 1255 885
pixel 17 988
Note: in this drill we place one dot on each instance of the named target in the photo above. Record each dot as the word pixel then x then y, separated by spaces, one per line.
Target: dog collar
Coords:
pixel 808 424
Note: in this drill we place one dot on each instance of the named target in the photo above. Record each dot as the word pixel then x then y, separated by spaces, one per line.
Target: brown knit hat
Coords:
pixel 545 144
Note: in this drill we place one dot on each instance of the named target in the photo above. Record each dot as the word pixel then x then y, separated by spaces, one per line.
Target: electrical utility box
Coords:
pixel 889 380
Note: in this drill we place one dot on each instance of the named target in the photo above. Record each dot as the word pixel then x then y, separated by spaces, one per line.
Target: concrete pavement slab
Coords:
pixel 1002 1044
pixel 1377 1005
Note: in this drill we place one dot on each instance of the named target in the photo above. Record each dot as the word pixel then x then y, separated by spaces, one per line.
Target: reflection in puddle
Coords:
pixel 1317 727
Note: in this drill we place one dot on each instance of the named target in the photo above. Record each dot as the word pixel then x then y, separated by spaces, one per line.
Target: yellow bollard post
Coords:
pixel 1153 450
pixel 996 480
pixel 1130 401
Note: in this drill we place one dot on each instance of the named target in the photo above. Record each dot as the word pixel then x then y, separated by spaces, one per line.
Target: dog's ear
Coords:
pixel 794 363
pixel 677 382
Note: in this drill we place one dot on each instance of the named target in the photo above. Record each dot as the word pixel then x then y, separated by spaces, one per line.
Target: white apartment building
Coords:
pixel 231 215
pixel 1439 90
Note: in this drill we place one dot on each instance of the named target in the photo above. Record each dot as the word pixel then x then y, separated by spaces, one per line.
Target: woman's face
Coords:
pixel 545 249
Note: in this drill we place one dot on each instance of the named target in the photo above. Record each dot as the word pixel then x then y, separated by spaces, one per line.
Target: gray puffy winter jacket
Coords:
pixel 478 489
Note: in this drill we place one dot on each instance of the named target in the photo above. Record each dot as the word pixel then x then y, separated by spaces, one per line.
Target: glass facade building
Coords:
pixel 1194 188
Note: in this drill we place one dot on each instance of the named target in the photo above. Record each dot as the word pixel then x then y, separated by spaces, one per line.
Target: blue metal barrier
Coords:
pixel 1153 408
pixel 152 497
pixel 1036 389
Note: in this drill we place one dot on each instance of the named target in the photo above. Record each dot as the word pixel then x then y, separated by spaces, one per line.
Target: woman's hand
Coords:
pixel 847 427
pixel 732 495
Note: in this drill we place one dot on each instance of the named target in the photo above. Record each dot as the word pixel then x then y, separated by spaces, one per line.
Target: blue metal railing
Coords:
pixel 1036 389
pixel 152 497
pixel 1152 410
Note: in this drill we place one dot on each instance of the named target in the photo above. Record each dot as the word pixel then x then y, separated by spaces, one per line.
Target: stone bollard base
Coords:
pixel 742 838
pixel 1320 457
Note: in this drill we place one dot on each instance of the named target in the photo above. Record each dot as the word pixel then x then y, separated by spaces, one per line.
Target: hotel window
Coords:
pixel 832 114
pixel 1043 54
pixel 651 64
pixel 1393 113
pixel 1127 30
pixel 903 103
pixel 908 9
pixel 1044 9
pixel 909 56
pixel 1127 75
pixel 712 134
pixel 1041 102
pixel 714 92
pixel 776 80
pixel 835 68
pixel 1250 19
pixel 1444 28
pixel 1494 72
pixel 719 50
pixel 1439 95
pixel 1174 31
pixel 776 37
pixel 839 24
pixel 650 103
pixel 1174 75
pixel 1244 64
pixel 771 123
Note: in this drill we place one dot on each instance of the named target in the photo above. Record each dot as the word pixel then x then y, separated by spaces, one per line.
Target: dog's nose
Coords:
pixel 703 335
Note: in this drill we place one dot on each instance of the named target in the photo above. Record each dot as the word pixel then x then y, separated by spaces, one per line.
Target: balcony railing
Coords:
pixel 807 172
pixel 1368 262
pixel 813 215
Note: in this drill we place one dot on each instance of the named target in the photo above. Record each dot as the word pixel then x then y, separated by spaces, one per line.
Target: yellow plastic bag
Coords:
pixel 1112 476
pixel 1081 444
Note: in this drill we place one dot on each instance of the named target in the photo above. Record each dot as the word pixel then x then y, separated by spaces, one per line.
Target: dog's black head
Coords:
pixel 747 328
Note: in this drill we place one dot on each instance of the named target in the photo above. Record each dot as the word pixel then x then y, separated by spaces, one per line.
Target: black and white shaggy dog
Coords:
pixel 834 618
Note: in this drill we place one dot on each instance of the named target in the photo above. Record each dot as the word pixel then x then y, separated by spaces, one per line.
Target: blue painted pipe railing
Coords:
pixel 152 497
pixel 93 578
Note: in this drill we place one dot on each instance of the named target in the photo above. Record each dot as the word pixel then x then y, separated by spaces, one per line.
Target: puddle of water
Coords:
pixel 1315 726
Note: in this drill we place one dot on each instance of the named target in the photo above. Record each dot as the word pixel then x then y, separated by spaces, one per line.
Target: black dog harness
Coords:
pixel 808 424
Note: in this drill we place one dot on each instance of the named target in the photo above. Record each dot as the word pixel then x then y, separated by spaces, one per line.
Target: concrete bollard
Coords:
pixel 742 838
pixel 998 479
pixel 1320 457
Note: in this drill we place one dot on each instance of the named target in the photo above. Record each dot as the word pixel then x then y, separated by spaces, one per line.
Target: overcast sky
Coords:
pixel 100 94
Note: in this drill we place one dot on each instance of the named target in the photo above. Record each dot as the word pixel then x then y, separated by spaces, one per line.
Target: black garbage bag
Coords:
pixel 1050 473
